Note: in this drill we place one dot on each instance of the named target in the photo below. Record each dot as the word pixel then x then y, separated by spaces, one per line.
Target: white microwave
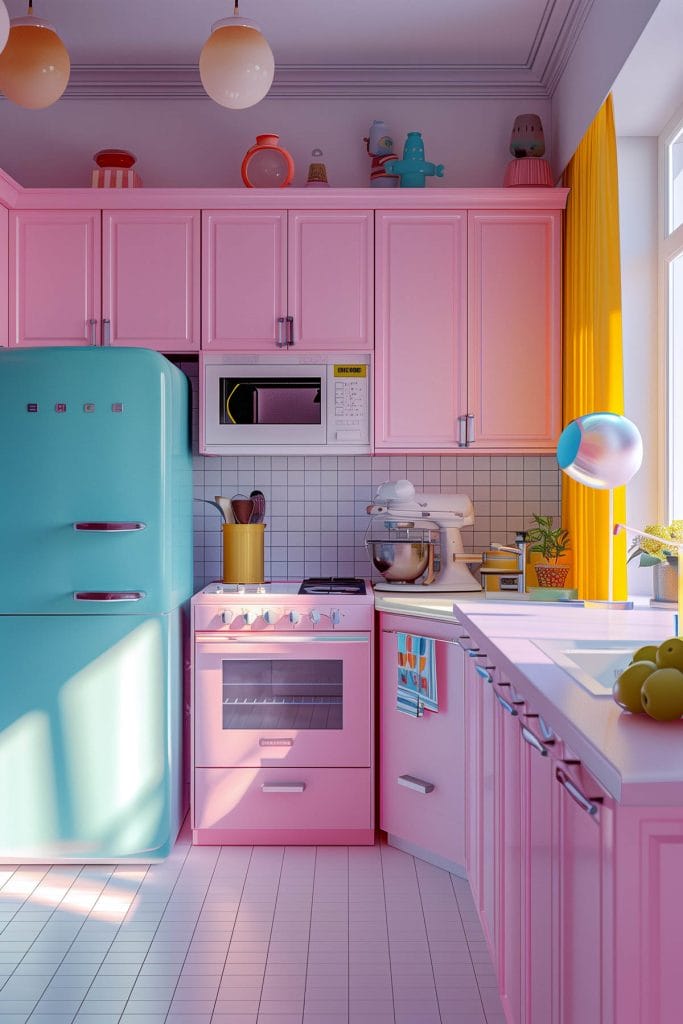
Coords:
pixel 307 404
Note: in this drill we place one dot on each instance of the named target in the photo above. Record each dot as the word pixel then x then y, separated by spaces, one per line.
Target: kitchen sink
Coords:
pixel 595 664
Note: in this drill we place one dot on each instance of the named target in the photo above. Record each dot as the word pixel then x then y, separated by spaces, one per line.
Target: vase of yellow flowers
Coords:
pixel 664 560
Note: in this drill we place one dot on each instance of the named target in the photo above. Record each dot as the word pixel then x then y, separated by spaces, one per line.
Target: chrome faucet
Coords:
pixel 520 551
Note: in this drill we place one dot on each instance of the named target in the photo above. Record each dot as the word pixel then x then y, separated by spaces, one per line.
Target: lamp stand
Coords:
pixel 610 602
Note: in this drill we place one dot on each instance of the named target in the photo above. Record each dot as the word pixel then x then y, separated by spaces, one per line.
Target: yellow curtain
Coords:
pixel 592 361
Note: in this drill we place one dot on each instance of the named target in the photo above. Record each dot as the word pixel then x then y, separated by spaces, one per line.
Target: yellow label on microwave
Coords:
pixel 350 370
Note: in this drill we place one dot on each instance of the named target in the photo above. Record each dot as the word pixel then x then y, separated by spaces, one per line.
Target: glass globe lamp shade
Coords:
pixel 4 25
pixel 34 65
pixel 601 450
pixel 236 64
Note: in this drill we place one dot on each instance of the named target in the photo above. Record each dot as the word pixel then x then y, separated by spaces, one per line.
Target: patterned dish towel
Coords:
pixel 416 675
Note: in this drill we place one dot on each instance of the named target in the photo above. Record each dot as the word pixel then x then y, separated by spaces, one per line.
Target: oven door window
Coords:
pixel 293 401
pixel 283 694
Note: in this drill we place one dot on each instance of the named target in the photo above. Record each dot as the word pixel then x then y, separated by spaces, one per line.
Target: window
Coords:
pixel 671 265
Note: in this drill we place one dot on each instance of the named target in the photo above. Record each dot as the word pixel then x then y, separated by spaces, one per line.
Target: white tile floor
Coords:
pixel 241 935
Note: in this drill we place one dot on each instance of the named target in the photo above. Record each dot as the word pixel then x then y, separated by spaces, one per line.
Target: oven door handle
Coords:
pixel 282 638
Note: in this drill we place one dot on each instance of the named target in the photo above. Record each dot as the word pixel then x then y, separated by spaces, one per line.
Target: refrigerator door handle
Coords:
pixel 109 595
pixel 111 527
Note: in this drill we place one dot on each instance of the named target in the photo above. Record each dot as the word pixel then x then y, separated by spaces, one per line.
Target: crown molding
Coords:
pixel 438 81
pixel 549 63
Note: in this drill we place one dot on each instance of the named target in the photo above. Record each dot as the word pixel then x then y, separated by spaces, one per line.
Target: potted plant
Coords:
pixel 550 544
pixel 664 561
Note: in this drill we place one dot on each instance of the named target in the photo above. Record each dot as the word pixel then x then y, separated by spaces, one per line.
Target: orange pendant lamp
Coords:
pixel 236 64
pixel 34 65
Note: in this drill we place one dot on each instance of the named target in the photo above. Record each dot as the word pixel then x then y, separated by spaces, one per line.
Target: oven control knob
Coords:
pixel 314 616
pixel 250 616
pixel 294 617
pixel 227 617
pixel 271 615
pixel 335 616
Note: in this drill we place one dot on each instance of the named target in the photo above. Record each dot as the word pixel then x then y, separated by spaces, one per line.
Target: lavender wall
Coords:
pixel 197 143
pixel 316 518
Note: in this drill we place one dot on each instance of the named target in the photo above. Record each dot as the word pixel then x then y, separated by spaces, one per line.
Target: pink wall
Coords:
pixel 198 143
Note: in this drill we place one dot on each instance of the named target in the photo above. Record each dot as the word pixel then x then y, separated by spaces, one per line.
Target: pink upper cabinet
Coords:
pixel 273 281
pixel 54 277
pixel 421 330
pixel 330 279
pixel 244 278
pixel 150 279
pixel 514 329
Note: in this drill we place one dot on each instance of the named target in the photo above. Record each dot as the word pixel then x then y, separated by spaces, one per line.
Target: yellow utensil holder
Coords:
pixel 243 552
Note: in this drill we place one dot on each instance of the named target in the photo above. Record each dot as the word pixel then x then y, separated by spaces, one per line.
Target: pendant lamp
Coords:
pixel 34 65
pixel 602 450
pixel 236 64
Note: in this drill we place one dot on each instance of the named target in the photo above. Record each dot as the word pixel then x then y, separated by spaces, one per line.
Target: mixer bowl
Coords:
pixel 399 561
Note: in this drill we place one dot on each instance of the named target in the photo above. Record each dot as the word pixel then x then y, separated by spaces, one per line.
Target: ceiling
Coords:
pixel 439 47
pixel 648 91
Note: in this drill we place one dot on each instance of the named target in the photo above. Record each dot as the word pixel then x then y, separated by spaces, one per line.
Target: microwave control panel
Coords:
pixel 348 420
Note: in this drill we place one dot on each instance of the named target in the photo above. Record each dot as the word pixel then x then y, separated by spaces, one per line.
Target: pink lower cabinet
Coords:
pixel 421 758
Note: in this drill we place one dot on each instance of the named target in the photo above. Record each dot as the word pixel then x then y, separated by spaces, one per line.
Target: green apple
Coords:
pixel 662 694
pixel 646 653
pixel 626 690
pixel 670 653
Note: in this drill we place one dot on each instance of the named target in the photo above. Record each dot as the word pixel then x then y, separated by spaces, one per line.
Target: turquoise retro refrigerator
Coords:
pixel 95 575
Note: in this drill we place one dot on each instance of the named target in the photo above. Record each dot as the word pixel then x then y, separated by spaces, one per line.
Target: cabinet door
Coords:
pixel 330 280
pixel 487 815
pixel 514 356
pixel 244 279
pixel 539 876
pixel 472 717
pixel 420 330
pixel 584 893
pixel 54 277
pixel 150 275
pixel 4 275
pixel 428 749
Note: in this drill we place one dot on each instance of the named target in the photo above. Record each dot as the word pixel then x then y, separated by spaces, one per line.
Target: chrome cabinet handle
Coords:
pixel 106 527
pixel 474 652
pixel 590 806
pixel 462 431
pixel 283 787
pixel 533 741
pixel 290 330
pixel 281 340
pixel 506 705
pixel 106 332
pixel 470 429
pixel 109 595
pixel 92 331
pixel 419 785
pixel 485 673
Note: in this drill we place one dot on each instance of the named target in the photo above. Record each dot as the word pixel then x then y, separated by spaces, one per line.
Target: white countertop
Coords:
pixel 637 760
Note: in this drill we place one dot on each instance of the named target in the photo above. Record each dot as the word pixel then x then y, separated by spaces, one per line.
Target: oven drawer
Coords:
pixel 269 799
pixel 289 702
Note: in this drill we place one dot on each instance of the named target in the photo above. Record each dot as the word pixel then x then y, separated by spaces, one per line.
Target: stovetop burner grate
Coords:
pixel 333 585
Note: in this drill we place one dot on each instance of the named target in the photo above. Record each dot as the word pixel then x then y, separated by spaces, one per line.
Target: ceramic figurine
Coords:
pixel 317 172
pixel 413 169
pixel 527 136
pixel 380 147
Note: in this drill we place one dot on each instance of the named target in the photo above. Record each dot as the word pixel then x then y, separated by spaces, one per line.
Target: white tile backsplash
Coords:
pixel 315 505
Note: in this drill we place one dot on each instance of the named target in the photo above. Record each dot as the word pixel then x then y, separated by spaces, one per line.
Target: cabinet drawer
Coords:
pixel 256 799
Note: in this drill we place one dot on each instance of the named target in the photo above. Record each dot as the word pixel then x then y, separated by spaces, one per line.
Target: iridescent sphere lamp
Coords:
pixel 35 64
pixel 602 450
pixel 4 25
pixel 236 64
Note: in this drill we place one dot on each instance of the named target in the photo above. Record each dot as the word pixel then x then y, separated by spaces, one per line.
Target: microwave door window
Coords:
pixel 249 401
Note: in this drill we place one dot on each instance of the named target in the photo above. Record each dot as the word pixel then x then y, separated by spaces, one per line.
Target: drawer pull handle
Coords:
pixel 474 652
pixel 284 741
pixel 507 706
pixel 283 787
pixel 109 595
pixel 534 741
pixel 109 527
pixel 419 785
pixel 590 806
pixel 485 673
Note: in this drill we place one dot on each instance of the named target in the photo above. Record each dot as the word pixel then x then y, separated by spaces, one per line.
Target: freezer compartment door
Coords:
pixel 90 737
pixel 95 470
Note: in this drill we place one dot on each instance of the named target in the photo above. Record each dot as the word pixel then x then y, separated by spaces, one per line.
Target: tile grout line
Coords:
pixel 270 937
pixel 348 935
pixel 429 948
pixel 467 940
pixel 310 924
pixel 232 931
pixel 386 919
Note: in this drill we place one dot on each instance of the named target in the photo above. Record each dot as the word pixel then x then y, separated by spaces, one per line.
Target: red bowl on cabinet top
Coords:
pixel 114 158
